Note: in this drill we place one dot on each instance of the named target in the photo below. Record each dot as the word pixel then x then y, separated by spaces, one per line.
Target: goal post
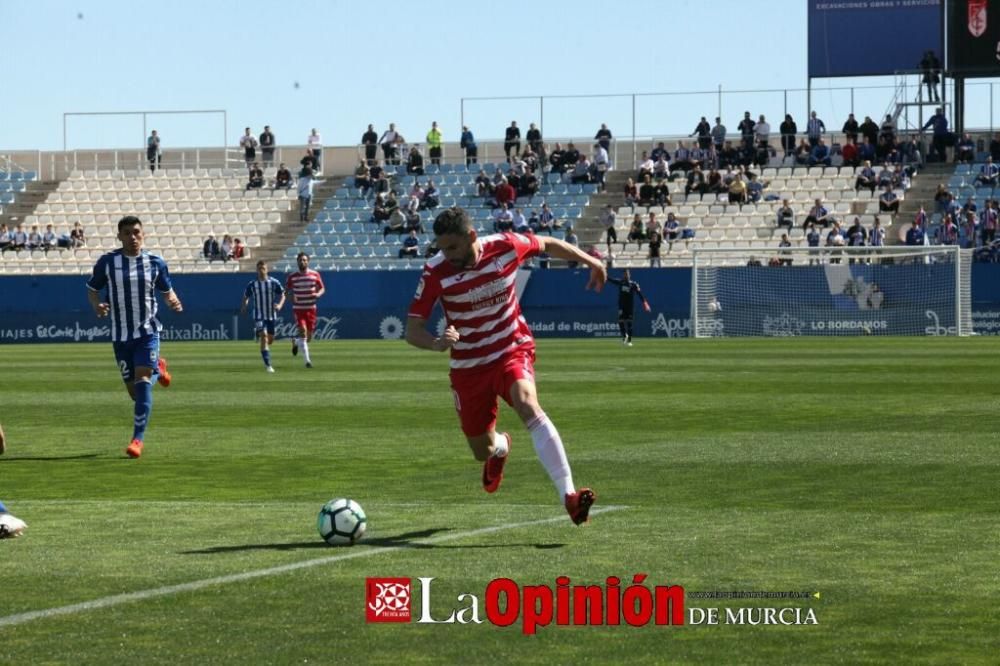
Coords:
pixel 831 291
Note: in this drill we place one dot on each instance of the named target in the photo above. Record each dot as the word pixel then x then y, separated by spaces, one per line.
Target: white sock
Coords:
pixel 550 451
pixel 500 448
pixel 304 345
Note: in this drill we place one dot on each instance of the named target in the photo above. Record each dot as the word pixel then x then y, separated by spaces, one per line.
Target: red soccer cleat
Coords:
pixel 134 449
pixel 493 468
pixel 578 505
pixel 164 378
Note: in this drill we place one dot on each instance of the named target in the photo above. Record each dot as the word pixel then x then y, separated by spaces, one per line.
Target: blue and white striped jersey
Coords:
pixel 131 282
pixel 264 295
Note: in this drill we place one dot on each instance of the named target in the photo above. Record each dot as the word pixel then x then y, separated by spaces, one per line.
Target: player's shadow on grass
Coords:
pixel 405 540
pixel 81 456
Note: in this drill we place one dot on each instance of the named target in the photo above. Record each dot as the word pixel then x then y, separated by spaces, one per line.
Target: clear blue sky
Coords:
pixel 407 62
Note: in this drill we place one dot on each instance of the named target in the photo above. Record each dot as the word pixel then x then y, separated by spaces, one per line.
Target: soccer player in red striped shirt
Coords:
pixel 305 287
pixel 492 351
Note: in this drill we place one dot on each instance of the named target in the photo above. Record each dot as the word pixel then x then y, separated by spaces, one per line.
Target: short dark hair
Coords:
pixel 452 221
pixel 128 221
pixel 301 254
pixel 261 263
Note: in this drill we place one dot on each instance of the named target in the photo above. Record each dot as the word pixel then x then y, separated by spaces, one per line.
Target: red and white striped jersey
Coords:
pixel 481 301
pixel 303 287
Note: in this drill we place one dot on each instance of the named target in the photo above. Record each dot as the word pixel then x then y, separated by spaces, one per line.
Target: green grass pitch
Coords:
pixel 865 469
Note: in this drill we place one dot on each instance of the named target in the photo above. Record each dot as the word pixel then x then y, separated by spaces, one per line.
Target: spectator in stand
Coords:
pixel 941 198
pixel 504 194
pixel 886 177
pixel 849 153
pixel 306 181
pixel 34 240
pixel 931 66
pixel 820 153
pixel 226 247
pixel 652 225
pixel 784 255
pixel 866 178
pixel 556 159
pixel 989 174
pixel 876 237
pixel 49 239
pixel 529 159
pixel 851 128
pixel 484 186
pixel 869 130
pixel 306 161
pixel 607 220
pixel 718 134
pixel 968 226
pixel 655 243
pixel 604 137
pixel 812 240
pixel 153 153
pixel 989 219
pixel 547 220
pixel 402 149
pixel 395 223
pixel 755 188
pixel 570 157
pixel 729 156
pixel 468 144
pixel 529 185
pixel 412 208
pixel 315 143
pixel 411 246
pixel 660 151
pixel 636 232
pixel 572 239
pixel 738 190
pixel 762 156
pixel 803 152
pixel 415 162
pixel 866 151
pixel 512 139
pixel 581 172
pixel 431 198
pixel 915 235
pixel 746 128
pixel 835 238
pixel 256 177
pixel 600 165
pixel 520 222
pixel 388 143
pixel 714 183
pixel 533 137
pixel 248 142
pixel 369 143
pixel 762 130
pixel 671 230
pixel 814 129
pixel 362 177
pixel 856 234
pixel 267 142
pixel 434 143
pixel 965 151
pixel 647 192
pixel 661 168
pixel 785 217
pixel 695 182
pixel 947 233
pixel 663 193
pixel 818 214
pixel 283 178
pixel 239 249
pixel 888 130
pixel 645 166
pixel 704 133
pixel 788 130
pixel 210 248
pixel 939 138
pixel 631 193
pixel 6 238
pixel 76 236
pixel 995 148
pixel 18 238
pixel 380 183
pixel 682 158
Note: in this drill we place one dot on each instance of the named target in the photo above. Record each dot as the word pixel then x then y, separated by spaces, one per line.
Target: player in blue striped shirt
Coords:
pixel 132 277
pixel 268 297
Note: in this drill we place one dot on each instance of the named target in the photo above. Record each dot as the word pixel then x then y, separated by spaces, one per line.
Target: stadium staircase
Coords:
pixel 920 194
pixel 273 245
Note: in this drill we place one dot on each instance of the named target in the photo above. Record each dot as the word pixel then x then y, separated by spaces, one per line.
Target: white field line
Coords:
pixel 169 590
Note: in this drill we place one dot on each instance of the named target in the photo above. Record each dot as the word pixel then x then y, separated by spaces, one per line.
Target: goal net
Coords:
pixel 831 291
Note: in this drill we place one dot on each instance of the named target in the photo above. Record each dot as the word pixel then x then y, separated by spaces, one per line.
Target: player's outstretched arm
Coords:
pixel 418 336
pixel 243 305
pixel 173 301
pixel 563 250
pixel 100 309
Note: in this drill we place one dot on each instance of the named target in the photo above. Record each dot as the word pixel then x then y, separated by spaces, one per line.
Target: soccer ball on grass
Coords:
pixel 341 522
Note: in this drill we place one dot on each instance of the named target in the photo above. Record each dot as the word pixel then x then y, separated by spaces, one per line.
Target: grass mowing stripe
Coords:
pixel 141 595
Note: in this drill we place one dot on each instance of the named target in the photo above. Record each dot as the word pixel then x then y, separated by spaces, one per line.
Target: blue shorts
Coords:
pixel 263 325
pixel 144 352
